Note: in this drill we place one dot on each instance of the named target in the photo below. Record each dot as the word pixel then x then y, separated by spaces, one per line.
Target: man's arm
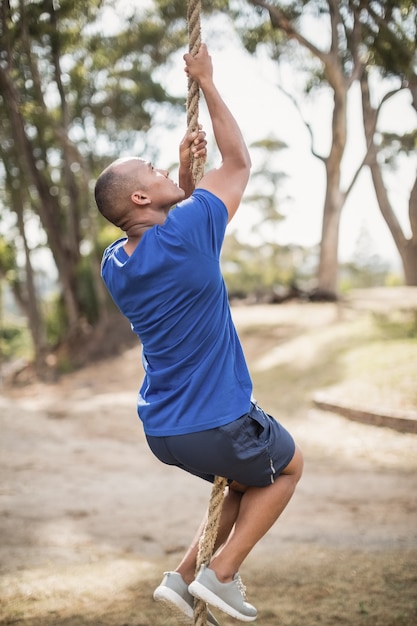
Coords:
pixel 228 181
pixel 197 144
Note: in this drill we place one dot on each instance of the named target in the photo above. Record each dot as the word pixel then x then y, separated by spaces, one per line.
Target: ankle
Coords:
pixel 222 575
pixel 187 575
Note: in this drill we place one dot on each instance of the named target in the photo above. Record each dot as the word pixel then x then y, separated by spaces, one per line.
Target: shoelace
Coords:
pixel 240 586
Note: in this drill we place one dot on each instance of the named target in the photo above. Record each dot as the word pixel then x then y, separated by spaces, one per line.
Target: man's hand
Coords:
pixel 194 143
pixel 229 180
pixel 199 67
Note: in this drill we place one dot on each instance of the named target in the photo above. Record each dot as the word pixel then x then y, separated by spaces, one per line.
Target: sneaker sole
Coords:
pixel 203 593
pixel 175 604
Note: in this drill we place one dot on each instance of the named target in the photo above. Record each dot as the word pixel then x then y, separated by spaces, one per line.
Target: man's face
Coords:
pixel 163 192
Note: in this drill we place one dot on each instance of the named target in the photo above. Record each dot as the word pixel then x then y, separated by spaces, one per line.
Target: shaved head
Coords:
pixel 114 187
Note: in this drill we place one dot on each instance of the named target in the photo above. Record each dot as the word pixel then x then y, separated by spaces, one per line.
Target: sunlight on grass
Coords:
pixel 383 372
pixel 79 593
pixel 366 359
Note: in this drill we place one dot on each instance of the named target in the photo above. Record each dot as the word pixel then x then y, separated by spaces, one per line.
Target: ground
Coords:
pixel 89 519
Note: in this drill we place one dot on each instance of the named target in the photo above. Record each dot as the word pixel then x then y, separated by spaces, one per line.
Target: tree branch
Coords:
pixel 370 145
pixel 279 21
pixel 304 121
pixel 335 20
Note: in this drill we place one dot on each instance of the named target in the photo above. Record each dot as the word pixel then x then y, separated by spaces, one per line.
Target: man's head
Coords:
pixel 130 186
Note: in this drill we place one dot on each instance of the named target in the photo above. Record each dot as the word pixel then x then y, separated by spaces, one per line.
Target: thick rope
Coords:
pixel 193 98
pixel 207 541
pixel 208 537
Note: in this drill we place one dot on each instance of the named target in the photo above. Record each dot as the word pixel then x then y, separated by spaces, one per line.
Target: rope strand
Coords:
pixel 193 98
pixel 207 541
pixel 208 537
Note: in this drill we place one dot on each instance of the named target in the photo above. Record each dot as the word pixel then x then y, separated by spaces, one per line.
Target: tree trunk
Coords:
pixel 407 248
pixel 47 208
pixel 327 278
pixel 328 260
pixel 30 301
pixel 340 77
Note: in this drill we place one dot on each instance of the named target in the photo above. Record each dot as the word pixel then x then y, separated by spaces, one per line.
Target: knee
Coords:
pixel 295 466
pixel 237 489
pixel 300 463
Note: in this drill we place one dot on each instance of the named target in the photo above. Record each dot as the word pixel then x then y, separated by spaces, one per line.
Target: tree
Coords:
pixel 337 61
pixel 267 180
pixel 391 36
pixel 71 98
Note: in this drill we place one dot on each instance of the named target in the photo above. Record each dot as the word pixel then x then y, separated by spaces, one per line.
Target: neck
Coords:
pixel 134 235
pixel 135 230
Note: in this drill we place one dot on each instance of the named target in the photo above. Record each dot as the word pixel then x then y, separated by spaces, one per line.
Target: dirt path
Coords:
pixel 81 494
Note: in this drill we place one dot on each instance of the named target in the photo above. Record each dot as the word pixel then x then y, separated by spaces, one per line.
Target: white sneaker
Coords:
pixel 174 592
pixel 228 597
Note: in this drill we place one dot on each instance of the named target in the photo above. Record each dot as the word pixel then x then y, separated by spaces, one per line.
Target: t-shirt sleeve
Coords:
pixel 201 221
pixel 115 251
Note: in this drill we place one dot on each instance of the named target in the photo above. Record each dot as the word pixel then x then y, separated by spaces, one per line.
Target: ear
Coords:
pixel 140 197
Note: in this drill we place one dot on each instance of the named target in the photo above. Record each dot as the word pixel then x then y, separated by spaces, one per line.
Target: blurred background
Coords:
pixel 321 267
pixel 326 97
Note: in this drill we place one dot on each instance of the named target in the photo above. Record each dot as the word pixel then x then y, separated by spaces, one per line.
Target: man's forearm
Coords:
pixel 185 180
pixel 192 147
pixel 226 130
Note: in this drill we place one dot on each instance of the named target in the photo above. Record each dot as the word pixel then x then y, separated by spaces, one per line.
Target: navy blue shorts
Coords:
pixel 253 450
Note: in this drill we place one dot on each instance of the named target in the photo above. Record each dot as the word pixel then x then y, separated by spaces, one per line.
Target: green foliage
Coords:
pixel 7 258
pixel 265 270
pixel 82 93
pixel 74 93
pixel 393 280
pixel 397 325
pixel 267 184
pixel 56 319
pixel 86 290
pixel 392 145
pixel 390 34
pixel 107 234
pixel 14 341
pixel 367 269
pixel 354 275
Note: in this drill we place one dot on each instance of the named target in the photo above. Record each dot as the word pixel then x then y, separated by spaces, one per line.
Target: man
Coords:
pixel 196 398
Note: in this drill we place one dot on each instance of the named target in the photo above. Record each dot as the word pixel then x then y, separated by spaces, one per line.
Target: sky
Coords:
pixel 251 88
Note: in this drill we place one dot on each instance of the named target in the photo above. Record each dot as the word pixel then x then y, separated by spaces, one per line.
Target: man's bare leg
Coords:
pixel 259 509
pixel 247 514
pixel 230 510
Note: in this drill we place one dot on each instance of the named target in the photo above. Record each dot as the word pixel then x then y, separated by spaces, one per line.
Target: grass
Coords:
pixel 370 360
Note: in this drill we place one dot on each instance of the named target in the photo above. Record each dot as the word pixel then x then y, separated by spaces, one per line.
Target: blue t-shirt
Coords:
pixel 172 291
